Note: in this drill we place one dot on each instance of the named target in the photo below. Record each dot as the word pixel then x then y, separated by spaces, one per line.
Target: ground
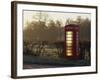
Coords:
pixel 31 62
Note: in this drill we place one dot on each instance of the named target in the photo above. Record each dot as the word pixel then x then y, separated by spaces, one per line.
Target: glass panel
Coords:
pixel 69 32
pixel 69 51
pixel 69 38
pixel 69 54
pixel 68 48
pixel 69 42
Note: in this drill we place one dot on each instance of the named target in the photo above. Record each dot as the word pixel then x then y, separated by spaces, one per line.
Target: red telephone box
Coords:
pixel 72 41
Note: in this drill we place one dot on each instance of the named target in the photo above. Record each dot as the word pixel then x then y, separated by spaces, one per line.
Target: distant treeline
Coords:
pixel 53 31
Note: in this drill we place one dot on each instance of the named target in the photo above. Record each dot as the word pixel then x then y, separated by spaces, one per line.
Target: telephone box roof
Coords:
pixel 72 25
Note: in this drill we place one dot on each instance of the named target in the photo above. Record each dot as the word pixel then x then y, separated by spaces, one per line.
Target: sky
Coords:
pixel 29 16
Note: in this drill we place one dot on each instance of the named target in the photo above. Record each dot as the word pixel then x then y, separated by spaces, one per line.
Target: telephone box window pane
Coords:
pixel 69 54
pixel 69 48
pixel 69 33
pixel 69 51
pixel 69 42
pixel 69 38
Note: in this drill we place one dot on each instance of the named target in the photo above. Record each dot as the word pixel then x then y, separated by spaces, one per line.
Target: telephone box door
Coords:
pixel 71 41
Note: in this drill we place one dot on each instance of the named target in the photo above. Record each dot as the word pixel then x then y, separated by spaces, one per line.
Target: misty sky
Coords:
pixel 61 16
